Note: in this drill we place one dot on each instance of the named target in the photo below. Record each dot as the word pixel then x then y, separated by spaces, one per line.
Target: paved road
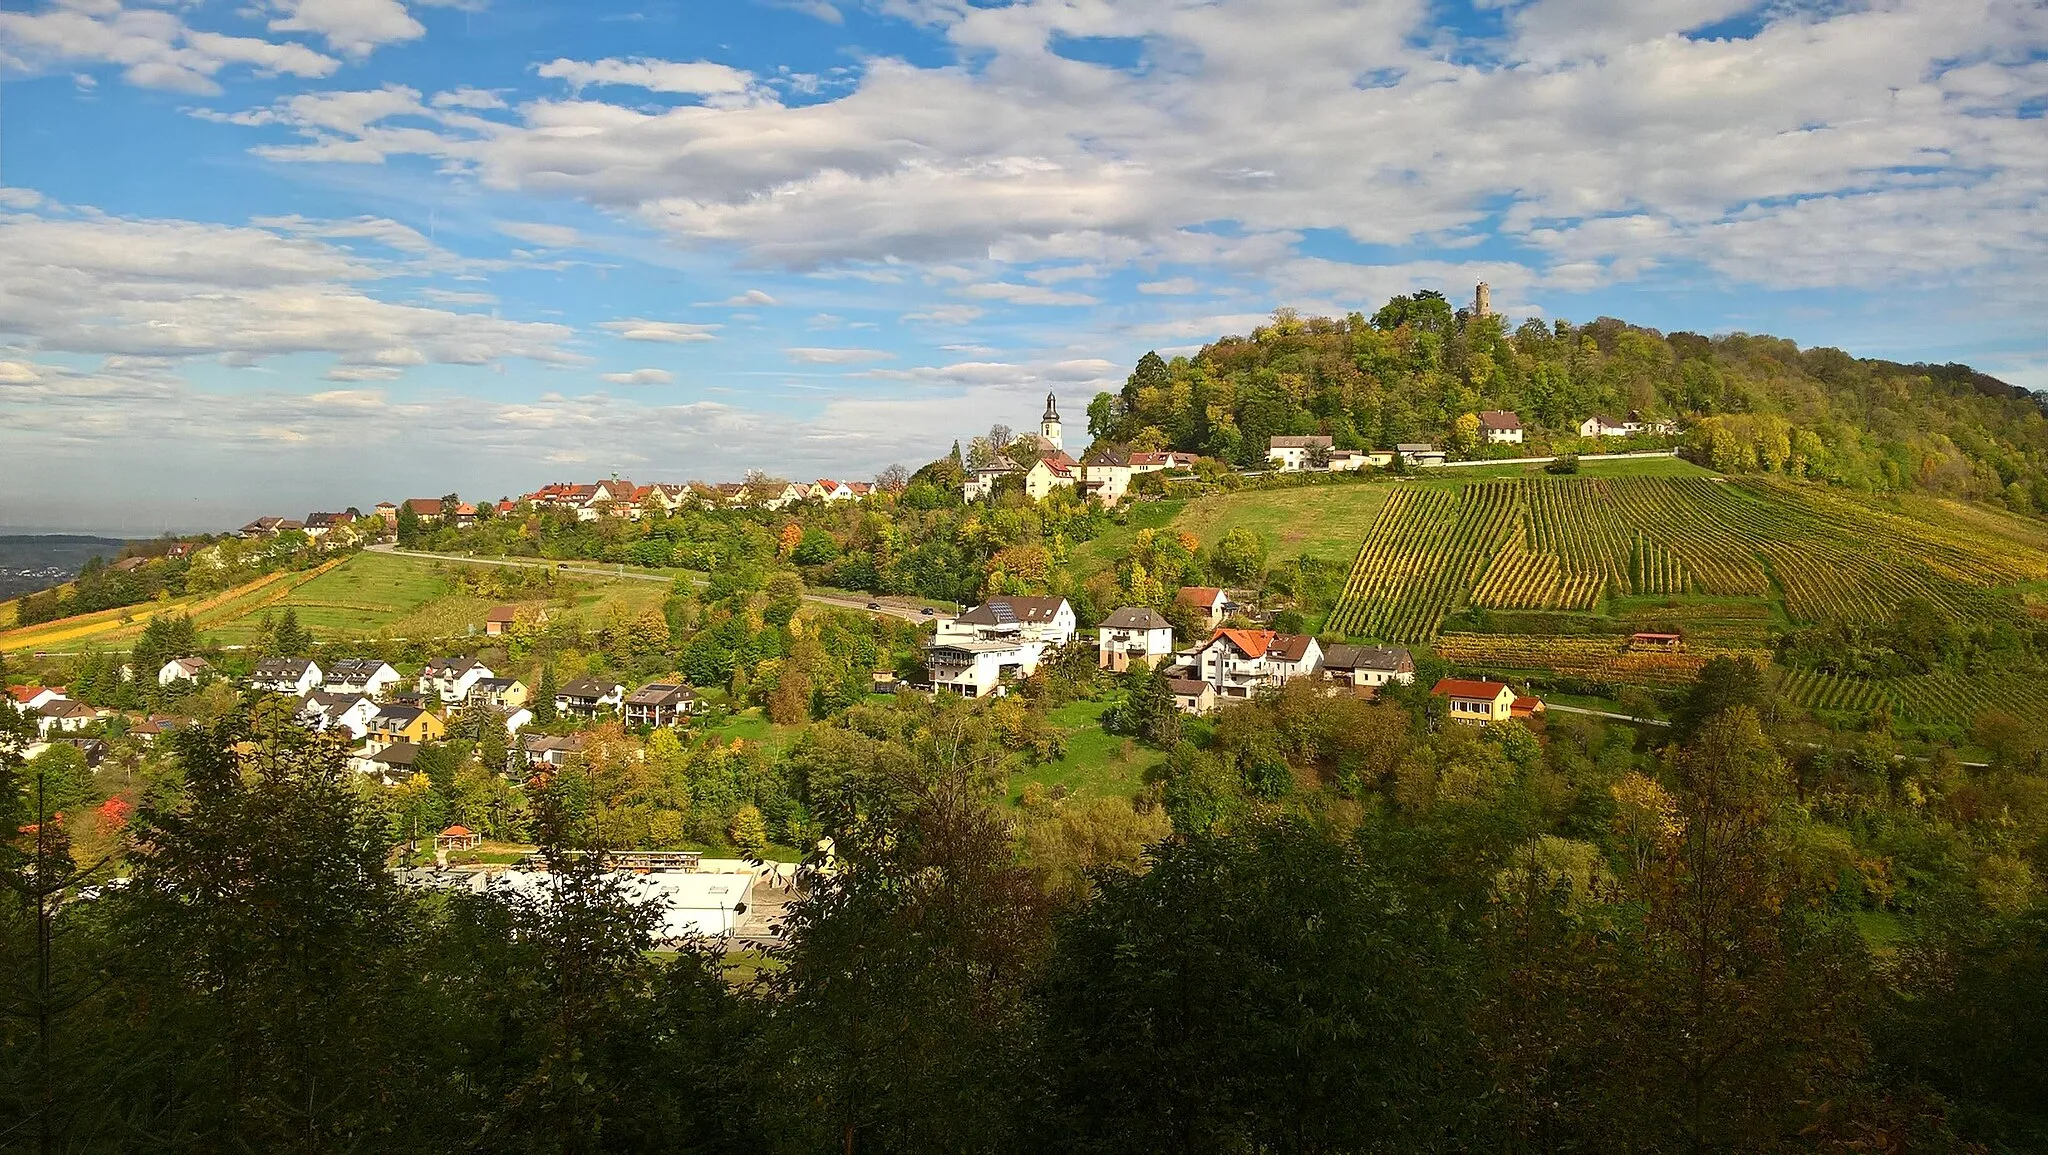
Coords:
pixel 891 610
pixel 1544 460
pixel 1604 714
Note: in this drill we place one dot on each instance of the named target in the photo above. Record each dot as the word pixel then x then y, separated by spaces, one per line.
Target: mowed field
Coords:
pixel 362 595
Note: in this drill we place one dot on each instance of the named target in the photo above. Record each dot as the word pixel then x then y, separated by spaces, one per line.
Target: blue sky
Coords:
pixel 278 255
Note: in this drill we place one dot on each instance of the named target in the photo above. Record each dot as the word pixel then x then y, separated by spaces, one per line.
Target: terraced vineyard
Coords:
pixel 1949 700
pixel 1573 543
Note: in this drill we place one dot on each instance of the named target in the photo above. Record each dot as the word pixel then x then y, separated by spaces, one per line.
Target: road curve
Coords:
pixel 905 613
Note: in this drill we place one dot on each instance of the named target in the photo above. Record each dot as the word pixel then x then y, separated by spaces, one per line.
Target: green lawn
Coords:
pixel 1631 467
pixel 1326 521
pixel 753 726
pixel 1095 763
pixel 361 596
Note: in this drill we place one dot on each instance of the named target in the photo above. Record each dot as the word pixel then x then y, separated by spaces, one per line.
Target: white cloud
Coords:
pixel 641 377
pixel 752 298
pixel 673 332
pixel 18 373
pixel 820 356
pixel 694 77
pixel 354 28
pixel 87 282
pixel 157 49
pixel 471 99
pixel 1175 286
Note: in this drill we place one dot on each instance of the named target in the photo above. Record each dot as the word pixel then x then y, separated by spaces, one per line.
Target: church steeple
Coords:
pixel 1049 425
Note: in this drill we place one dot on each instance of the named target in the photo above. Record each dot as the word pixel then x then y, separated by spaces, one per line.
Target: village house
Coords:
pixel 324 713
pixel 64 716
pixel 387 513
pixel 1368 667
pixel 659 704
pixel 551 749
pixel 262 527
pixel 451 679
pixel 366 676
pixel 403 724
pixel 1601 425
pixel 501 694
pixel 319 525
pixel 1352 460
pixel 982 482
pixel 1295 454
pixel 156 726
pixel 1105 476
pixel 500 620
pixel 589 697
pixel 426 509
pixel 1420 453
pixel 29 699
pixel 182 670
pixel 1240 663
pixel 1476 701
pixel 294 676
pixel 1500 427
pixel 1001 639
pixel 1211 603
pixel 1192 695
pixel 1133 634
pixel 389 764
pixel 1053 471
pixel 1160 462
pixel 827 490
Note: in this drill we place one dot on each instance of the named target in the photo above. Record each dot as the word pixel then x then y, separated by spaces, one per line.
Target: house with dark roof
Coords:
pixel 1192 695
pixel 589 697
pixel 1500 427
pixel 451 679
pixel 1133 634
pixel 294 676
pixel 64 716
pixel 1041 619
pixel 393 723
pixel 551 749
pixel 389 764
pixel 1368 667
pixel 367 676
pixel 1419 453
pixel 996 642
pixel 326 713
pixel 660 704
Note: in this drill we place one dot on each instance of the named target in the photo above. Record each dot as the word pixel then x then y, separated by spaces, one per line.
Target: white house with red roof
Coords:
pixel 1240 663
pixel 32 698
pixel 1210 602
pixel 1053 471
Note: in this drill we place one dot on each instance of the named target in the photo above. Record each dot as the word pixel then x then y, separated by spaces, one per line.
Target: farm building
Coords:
pixel 1500 427
pixel 1656 642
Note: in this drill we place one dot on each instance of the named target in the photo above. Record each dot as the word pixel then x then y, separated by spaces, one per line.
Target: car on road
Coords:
pixel 874 605
pixel 928 611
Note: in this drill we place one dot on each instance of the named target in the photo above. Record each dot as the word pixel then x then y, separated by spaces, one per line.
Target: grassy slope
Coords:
pixel 1095 763
pixel 1325 521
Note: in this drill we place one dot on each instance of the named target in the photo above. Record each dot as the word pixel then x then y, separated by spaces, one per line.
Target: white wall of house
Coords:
pixel 1116 649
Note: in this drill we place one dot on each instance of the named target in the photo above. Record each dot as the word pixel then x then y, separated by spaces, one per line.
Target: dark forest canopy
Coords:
pixel 1412 369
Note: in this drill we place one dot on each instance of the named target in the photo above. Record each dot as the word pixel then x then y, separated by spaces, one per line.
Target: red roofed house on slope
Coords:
pixel 1208 601
pixel 1240 663
pixel 1477 701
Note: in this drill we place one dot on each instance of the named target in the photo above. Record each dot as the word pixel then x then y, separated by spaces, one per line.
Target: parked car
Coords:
pixel 928 611
pixel 874 605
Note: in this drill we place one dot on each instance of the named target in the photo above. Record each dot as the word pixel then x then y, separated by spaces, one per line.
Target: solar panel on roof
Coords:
pixel 1002 612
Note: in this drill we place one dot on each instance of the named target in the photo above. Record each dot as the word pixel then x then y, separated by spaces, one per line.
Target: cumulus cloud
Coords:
pixel 156 49
pixel 1026 294
pixel 821 356
pixel 693 77
pixel 354 28
pixel 673 332
pixel 641 377
pixel 1175 286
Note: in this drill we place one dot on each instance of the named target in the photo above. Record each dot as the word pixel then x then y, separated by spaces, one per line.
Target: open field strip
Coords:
pixel 1600 658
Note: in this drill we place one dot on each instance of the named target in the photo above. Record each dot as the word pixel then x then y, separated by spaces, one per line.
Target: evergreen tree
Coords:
pixel 544 696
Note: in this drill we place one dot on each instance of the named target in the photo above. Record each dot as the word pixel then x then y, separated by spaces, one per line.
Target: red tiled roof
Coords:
pixel 1253 643
pixel 505 614
pixel 456 832
pixel 1200 597
pixel 1468 688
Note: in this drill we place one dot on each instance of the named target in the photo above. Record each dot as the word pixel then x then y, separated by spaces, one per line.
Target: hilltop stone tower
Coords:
pixel 1049 425
pixel 1482 301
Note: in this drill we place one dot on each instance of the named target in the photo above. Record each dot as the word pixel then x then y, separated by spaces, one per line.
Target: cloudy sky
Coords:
pixel 276 255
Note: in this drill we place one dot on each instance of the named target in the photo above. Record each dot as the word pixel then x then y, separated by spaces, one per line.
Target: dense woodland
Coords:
pixel 1323 925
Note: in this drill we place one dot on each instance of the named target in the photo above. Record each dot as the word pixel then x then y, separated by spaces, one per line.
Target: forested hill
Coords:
pixel 1415 367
